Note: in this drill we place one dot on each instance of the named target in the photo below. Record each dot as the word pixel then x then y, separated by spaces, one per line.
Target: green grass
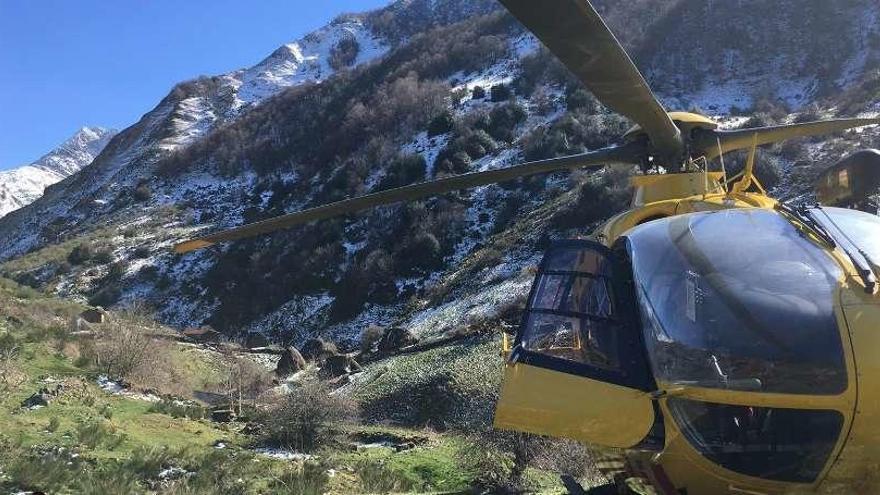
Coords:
pixel 432 467
pixel 448 387
pixel 88 441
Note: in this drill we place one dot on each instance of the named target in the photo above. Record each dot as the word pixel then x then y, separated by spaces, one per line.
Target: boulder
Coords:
pixel 95 315
pixel 222 415
pixel 42 398
pixel 397 338
pixel 291 361
pixel 39 399
pixel 202 335
pixel 339 365
pixel 256 339
pixel 318 349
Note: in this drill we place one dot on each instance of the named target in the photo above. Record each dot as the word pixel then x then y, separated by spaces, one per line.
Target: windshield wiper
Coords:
pixel 804 216
pixel 863 262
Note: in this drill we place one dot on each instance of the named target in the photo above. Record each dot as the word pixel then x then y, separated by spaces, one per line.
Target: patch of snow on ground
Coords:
pixel 428 148
pixel 349 332
pixel 282 454
pixel 192 119
pixel 117 388
pixel 460 312
pixel 718 98
pixel 297 314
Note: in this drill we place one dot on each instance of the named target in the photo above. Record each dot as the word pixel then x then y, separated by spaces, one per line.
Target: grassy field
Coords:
pixel 88 440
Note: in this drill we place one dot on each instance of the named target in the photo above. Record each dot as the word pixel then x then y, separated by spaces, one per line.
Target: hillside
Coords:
pixel 416 90
pixel 22 185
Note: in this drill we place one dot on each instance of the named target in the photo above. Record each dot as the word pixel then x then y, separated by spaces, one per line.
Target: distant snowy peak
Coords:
pixel 21 186
pixel 76 152
pixel 311 59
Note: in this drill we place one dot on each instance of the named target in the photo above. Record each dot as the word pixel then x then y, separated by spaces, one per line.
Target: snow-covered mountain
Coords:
pixel 22 185
pixel 411 91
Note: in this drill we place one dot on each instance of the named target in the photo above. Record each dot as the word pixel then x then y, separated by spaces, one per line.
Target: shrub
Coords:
pixel 123 347
pixel 149 273
pixel 768 169
pixel 306 418
pixel 106 296
pixel 508 211
pixel 441 124
pixel 378 477
pixel 458 163
pixel 98 434
pixel 597 199
pixel 502 459
pixel 419 252
pixel 406 169
pixel 344 53
pixel 81 253
pixel 468 144
pixel 116 272
pixel 369 279
pixel 63 268
pixel 142 252
pixel 500 92
pixel 308 479
pixel 579 98
pixel 179 409
pixel 142 191
pixel 478 93
pixel 11 375
pixel 242 379
pixel 103 256
pixel 503 120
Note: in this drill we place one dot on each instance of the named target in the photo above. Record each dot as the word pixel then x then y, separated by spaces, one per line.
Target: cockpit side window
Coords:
pixel 575 323
pixel 790 445
pixel 738 299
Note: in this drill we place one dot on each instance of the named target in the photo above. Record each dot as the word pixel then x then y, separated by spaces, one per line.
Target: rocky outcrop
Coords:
pixel 396 338
pixel 291 361
pixel 339 365
pixel 318 349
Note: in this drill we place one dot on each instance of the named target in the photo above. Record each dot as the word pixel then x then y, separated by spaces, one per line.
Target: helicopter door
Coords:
pixel 578 368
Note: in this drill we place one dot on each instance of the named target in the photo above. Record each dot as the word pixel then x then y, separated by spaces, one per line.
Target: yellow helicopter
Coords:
pixel 728 342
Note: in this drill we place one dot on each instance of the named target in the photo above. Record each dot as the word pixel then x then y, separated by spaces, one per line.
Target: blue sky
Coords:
pixel 69 63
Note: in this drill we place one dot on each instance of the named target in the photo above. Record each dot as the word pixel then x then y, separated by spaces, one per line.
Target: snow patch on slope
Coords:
pixel 306 60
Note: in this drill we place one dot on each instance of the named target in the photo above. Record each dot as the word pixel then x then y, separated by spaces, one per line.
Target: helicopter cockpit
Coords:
pixel 738 299
pixel 722 319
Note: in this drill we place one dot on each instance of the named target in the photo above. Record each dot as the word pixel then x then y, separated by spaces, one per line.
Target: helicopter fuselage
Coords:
pixel 858 315
pixel 679 462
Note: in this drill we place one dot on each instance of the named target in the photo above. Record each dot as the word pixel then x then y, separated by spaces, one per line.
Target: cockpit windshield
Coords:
pixel 738 299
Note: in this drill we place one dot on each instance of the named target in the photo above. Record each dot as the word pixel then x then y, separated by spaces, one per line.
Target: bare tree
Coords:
pixel 122 348
pixel 11 376
pixel 242 379
pixel 306 417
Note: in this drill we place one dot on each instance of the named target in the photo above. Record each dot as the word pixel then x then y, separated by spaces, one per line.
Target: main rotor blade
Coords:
pixel 745 138
pixel 577 35
pixel 631 153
